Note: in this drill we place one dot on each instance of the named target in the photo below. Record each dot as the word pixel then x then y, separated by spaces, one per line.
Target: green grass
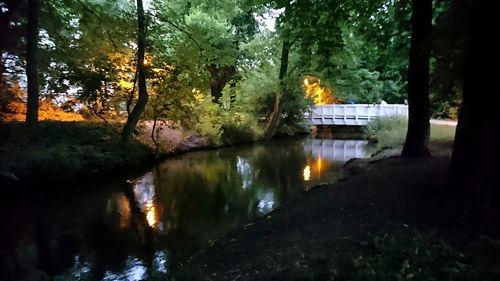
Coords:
pixel 61 151
pixel 390 132
pixel 442 133
pixel 407 255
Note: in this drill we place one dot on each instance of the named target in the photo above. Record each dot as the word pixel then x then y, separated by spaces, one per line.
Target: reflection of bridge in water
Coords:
pixel 335 150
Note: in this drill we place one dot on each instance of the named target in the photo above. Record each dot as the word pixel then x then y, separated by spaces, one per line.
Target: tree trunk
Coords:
pixel 274 120
pixel 31 62
pixel 219 76
pixel 474 163
pixel 142 100
pixel 417 136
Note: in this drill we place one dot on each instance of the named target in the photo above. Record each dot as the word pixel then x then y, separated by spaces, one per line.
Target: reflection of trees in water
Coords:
pixel 93 237
pixel 205 194
pixel 114 231
pixel 177 208
pixel 281 165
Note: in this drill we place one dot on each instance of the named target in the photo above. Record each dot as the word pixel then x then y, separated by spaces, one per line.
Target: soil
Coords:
pixel 385 195
pixel 170 138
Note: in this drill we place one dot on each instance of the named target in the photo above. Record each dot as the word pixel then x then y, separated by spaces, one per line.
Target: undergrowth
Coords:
pixel 390 132
pixel 60 151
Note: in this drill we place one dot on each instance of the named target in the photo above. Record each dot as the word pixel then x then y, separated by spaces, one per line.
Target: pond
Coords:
pixel 146 227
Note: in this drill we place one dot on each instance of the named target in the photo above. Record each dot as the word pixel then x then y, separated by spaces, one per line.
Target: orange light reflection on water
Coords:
pixel 307 173
pixel 315 169
pixel 151 214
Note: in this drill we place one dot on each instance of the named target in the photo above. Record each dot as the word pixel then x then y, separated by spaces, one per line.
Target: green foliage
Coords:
pixel 442 133
pixel 259 83
pixel 444 109
pixel 209 123
pixel 447 63
pixel 359 50
pixel 234 133
pixel 390 132
pixel 220 126
pixel 256 91
pixel 387 131
pixel 412 256
pixel 62 150
pixel 240 128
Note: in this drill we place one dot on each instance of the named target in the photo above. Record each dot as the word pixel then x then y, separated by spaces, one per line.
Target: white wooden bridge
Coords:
pixel 352 114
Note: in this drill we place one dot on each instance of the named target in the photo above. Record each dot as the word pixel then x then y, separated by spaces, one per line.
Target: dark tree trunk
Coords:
pixel 219 76
pixel 476 152
pixel 31 62
pixel 274 120
pixel 142 100
pixel 417 136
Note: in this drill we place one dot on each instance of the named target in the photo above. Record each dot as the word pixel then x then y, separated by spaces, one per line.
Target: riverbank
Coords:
pixel 57 152
pixel 392 220
pixel 61 152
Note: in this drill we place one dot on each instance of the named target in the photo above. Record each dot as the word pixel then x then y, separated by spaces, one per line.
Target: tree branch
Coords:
pixel 183 31
pixel 100 23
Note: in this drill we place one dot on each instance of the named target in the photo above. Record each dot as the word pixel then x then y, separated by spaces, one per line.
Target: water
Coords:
pixel 146 227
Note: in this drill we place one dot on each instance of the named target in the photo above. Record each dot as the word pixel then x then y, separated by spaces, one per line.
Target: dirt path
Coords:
pixel 302 239
pixel 444 122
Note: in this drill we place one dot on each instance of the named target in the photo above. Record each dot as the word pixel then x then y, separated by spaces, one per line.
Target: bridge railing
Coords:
pixel 352 114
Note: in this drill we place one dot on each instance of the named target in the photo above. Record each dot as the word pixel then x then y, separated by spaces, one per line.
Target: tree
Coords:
pixel 417 136
pixel 89 47
pixel 447 58
pixel 274 120
pixel 474 163
pixel 32 61
pixel 206 38
pixel 134 116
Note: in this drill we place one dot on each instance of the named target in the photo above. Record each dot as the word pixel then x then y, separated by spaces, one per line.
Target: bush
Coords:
pixel 234 133
pixel 387 131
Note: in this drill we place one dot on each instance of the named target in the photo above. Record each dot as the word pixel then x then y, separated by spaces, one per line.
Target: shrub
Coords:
pixel 233 133
pixel 387 131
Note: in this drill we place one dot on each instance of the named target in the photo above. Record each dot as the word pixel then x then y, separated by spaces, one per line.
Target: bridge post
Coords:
pixel 356 113
pixel 345 114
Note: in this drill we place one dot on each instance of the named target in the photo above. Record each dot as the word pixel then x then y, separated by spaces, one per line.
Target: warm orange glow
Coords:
pixel 151 214
pixel 119 207
pixel 47 109
pixel 124 210
pixel 316 168
pixel 307 173
pixel 318 165
pixel 319 94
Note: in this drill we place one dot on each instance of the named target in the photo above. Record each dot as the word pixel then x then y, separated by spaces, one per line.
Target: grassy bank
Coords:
pixel 390 132
pixel 55 151
pixel 62 151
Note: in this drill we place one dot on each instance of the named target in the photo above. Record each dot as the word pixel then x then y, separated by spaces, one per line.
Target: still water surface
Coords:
pixel 146 227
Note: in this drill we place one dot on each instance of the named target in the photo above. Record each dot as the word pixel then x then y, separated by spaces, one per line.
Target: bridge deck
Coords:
pixel 352 114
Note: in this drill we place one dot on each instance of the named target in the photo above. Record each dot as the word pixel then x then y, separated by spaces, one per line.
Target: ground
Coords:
pixel 390 220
